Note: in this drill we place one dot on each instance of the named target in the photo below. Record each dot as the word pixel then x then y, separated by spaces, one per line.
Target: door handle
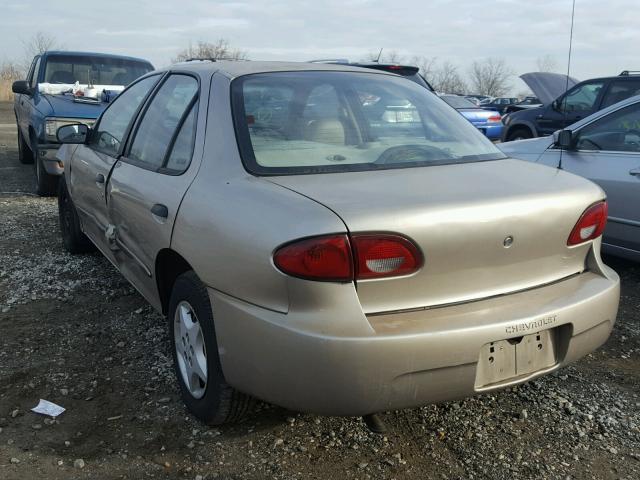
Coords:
pixel 100 178
pixel 160 210
pixel 635 172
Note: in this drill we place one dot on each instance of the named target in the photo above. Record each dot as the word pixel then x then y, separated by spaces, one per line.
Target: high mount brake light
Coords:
pixel 336 258
pixel 591 224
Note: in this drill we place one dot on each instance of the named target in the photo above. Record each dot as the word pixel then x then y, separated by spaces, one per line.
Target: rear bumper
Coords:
pixel 405 359
pixel 493 132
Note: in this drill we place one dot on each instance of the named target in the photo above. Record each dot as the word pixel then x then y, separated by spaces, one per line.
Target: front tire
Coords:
pixel 25 155
pixel 73 239
pixel 520 133
pixel 46 185
pixel 195 355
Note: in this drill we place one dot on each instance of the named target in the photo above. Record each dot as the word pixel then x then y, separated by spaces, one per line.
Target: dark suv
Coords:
pixel 578 102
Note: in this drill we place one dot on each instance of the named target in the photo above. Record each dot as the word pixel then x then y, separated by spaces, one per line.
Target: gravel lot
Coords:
pixel 76 333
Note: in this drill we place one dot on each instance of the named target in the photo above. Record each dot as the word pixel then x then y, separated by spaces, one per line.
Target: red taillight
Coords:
pixel 333 258
pixel 379 256
pixel 319 258
pixel 494 118
pixel 590 225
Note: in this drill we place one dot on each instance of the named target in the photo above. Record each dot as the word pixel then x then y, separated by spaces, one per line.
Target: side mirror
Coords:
pixel 21 87
pixel 564 139
pixel 76 133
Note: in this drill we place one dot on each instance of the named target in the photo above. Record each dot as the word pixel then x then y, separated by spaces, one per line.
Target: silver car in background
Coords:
pixel 316 247
pixel 605 148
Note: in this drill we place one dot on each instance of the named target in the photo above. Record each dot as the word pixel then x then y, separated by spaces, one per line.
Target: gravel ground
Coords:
pixel 76 333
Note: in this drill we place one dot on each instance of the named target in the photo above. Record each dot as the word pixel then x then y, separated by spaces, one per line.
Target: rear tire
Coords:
pixel 195 349
pixel 520 133
pixel 25 155
pixel 73 240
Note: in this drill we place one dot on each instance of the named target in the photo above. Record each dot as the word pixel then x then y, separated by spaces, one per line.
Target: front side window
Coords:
pixel 581 99
pixel 618 132
pixel 110 131
pixel 315 122
pixel 33 80
pixel 97 70
pixel 159 125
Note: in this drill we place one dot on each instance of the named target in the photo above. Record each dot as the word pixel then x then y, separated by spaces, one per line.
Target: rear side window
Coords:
pixel 621 90
pixel 159 128
pixel 115 120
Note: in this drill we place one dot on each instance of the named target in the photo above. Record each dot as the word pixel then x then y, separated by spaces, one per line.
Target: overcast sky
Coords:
pixel 606 34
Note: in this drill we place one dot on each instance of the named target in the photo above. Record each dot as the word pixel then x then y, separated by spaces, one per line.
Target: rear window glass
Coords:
pixel 317 122
pixel 458 102
pixel 69 69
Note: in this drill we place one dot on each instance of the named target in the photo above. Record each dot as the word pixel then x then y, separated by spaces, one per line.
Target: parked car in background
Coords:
pixel 488 122
pixel 605 148
pixel 298 240
pixel 499 104
pixel 408 71
pixel 563 109
pixel 63 88
pixel 478 99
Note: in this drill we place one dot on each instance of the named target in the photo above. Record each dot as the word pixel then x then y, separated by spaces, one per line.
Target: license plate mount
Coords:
pixel 503 361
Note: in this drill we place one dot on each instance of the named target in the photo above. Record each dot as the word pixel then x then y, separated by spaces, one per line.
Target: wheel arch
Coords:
pixel 168 267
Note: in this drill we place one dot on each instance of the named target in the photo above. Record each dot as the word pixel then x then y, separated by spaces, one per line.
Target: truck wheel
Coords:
pixel 195 355
pixel 521 133
pixel 24 152
pixel 46 185
pixel 73 239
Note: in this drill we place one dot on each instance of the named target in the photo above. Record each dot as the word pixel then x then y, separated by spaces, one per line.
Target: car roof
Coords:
pixel 234 69
pixel 70 53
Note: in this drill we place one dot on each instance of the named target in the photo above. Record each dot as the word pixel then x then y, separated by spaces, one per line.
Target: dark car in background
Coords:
pixel 500 103
pixel 63 88
pixel 562 107
pixel 488 122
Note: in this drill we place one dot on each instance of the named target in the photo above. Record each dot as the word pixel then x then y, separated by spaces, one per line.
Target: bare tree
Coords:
pixel 9 73
pixel 446 79
pixel 221 50
pixel 547 63
pixel 490 77
pixel 39 43
pixel 427 66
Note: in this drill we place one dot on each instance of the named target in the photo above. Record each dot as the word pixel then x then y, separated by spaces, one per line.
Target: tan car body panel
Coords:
pixel 317 346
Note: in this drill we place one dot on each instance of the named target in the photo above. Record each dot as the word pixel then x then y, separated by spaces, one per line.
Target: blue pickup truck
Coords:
pixel 63 88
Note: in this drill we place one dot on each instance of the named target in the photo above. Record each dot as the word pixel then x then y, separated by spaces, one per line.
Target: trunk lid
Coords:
pixel 459 216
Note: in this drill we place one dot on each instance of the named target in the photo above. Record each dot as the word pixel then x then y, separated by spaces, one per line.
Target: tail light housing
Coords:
pixel 338 258
pixel 494 119
pixel 591 224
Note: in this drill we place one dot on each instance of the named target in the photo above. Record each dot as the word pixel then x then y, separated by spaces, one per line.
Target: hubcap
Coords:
pixel 191 353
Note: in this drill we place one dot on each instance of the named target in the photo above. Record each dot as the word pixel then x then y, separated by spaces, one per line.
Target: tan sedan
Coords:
pixel 334 240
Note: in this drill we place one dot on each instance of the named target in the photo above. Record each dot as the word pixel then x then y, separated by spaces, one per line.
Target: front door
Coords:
pixel 151 178
pixel 92 163
pixel 608 152
pixel 576 104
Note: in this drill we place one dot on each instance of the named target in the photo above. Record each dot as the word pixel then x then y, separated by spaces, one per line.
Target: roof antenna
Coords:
pixel 380 54
pixel 564 108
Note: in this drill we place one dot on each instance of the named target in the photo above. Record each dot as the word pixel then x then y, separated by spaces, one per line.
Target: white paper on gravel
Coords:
pixel 48 408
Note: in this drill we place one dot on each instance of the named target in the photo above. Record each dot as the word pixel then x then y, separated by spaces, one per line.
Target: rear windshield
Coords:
pixel 93 69
pixel 318 122
pixel 458 102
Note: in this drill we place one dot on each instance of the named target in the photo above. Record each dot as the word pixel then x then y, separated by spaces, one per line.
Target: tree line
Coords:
pixel 490 76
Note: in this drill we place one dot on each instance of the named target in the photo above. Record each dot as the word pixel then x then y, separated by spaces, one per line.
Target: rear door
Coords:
pixel 608 152
pixel 92 163
pixel 150 179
